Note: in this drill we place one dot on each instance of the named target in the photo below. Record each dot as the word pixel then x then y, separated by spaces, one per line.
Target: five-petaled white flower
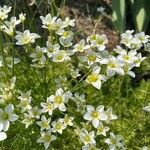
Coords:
pixel 110 115
pixel 98 41
pixel 48 106
pixel 81 47
pixel 95 115
pixel 59 99
pixel 25 100
pixel 101 130
pixel 44 123
pixel 60 56
pixel 46 138
pixel 114 66
pixel 7 116
pixel 58 126
pixel 95 78
pixel 26 37
pixel 86 137
pixel 115 141
pixel 49 22
pixel 4 12
pixel 67 120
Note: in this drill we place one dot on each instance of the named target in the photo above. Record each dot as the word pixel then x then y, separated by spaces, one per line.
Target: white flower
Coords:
pixel 59 99
pixel 44 123
pixel 66 42
pixel 51 48
pixel 28 120
pixel 3 136
pixel 9 26
pixel 114 66
pixel 81 47
pixel 35 112
pixel 95 115
pixel 86 137
pixel 68 120
pixel 127 37
pixel 95 78
pixel 138 60
pixel 142 37
pixel 101 130
pixel 26 37
pixel 91 57
pixel 114 142
pixel 25 100
pixel 110 115
pixel 58 126
pixel 46 138
pixel 68 22
pixel 7 90
pixel 65 34
pixel 147 108
pixel 4 12
pixel 38 55
pixel 49 22
pixel 74 73
pixel 60 56
pixel 22 17
pixel 7 116
pixel 98 41
pixel 127 69
pixel 101 10
pixel 48 106
pixel 127 57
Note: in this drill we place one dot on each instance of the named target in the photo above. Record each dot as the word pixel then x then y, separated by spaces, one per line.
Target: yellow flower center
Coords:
pixel 92 58
pixel 5 116
pixel 58 99
pixel 58 126
pixel 45 124
pixel 26 39
pixel 49 106
pixel 126 57
pixel 65 34
pixel 92 78
pixel 99 41
pixel 112 65
pixel 59 57
pixel 24 103
pixel 47 137
pixel 87 138
pixel 93 37
pixel 95 114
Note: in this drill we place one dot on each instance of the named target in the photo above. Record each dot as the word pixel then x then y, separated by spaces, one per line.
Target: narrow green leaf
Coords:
pixel 119 14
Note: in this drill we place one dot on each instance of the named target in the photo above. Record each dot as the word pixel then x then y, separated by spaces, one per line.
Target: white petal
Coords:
pixel 59 92
pixel 90 108
pixel 95 123
pixel 46 145
pixel 1 126
pixel 6 125
pixel 100 108
pixel 13 117
pixel 9 108
pixel 110 72
pixel 87 116
pixel 62 107
pixel 3 136
pixel 120 71
pixel 97 84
